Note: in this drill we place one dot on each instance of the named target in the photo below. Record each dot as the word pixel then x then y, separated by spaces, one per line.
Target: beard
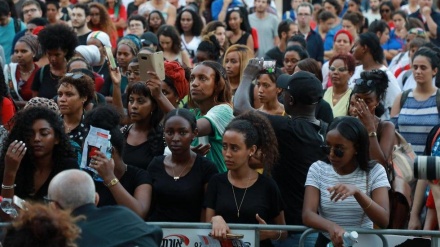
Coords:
pixel 79 26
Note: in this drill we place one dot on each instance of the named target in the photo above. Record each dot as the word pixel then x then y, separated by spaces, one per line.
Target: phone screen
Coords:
pixel 110 57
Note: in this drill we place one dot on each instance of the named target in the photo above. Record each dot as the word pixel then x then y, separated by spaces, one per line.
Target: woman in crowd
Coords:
pixel 90 54
pixel 365 105
pixel 171 45
pixel 155 20
pixel 338 95
pixel 411 7
pixel 326 21
pixel 58 41
pixel 292 56
pixel 41 225
pixel 123 184
pixel 7 105
pixel 347 190
pixel 235 60
pixel 167 10
pixel 190 26
pixel 35 151
pixel 19 76
pixel 100 40
pixel 386 9
pixel 53 12
pixel 75 92
pixel 118 15
pixel 341 46
pixel 238 29
pixel 175 86
pixel 137 25
pixel 353 22
pixel 100 21
pixel 143 138
pixel 219 29
pixel 180 176
pixel 210 97
pixel 369 53
pixel 396 42
pixel 268 93
pixel 209 49
pixel 382 30
pixel 257 197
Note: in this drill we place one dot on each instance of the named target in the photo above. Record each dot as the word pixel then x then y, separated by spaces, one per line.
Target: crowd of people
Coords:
pixel 224 137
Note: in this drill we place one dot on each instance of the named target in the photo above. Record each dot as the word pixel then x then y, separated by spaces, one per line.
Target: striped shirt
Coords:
pixel 346 213
pixel 416 119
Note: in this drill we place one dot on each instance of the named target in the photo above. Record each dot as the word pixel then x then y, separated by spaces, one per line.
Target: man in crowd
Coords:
pixel 265 24
pixel 80 18
pixel 373 13
pixel 104 226
pixel 286 29
pixel 315 46
pixel 8 28
pixel 430 18
pixel 31 9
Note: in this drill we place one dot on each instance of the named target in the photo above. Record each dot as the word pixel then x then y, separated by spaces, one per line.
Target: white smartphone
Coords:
pixel 151 62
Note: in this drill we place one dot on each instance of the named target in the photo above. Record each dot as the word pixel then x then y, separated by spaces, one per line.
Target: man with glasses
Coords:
pixel 31 9
pixel 8 27
pixel 286 29
pixel 105 226
pixel 315 46
pixel 80 19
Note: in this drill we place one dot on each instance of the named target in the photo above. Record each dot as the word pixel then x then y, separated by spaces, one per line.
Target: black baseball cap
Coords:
pixel 149 38
pixel 303 86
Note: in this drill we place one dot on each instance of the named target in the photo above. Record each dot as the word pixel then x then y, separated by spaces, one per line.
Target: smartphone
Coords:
pixel 110 57
pixel 151 62
pixel 268 67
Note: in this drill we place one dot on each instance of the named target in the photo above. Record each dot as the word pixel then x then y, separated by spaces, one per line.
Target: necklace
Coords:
pixel 184 168
pixel 242 199
pixel 339 96
pixel 27 72
pixel 69 128
pixel 53 76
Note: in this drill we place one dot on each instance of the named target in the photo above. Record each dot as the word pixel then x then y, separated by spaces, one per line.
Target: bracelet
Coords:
pixel 371 202
pixel 279 236
pixel 8 187
pixel 372 134
pixel 112 183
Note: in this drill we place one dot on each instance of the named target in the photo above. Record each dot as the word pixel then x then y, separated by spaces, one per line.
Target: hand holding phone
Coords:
pixel 151 62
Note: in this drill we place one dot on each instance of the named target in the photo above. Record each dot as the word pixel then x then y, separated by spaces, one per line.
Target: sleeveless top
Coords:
pixel 164 11
pixel 416 119
pixel 242 40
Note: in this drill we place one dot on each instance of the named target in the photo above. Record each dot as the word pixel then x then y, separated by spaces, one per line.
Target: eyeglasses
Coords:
pixel 75 76
pixel 128 73
pixel 135 25
pixel 340 69
pixel 47 200
pixel 29 11
pixel 337 151
pixel 361 81
pixel 385 10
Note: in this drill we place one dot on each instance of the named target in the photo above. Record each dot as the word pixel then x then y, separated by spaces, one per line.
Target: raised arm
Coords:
pixel 241 99
pixel 154 84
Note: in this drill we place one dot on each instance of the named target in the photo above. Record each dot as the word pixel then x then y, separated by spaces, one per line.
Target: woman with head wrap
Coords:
pixel 175 86
pixel 90 53
pixel 19 76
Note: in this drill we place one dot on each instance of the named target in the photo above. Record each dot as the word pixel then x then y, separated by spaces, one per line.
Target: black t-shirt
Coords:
pixel 131 179
pixel 141 155
pixel 132 9
pixel 104 72
pixel 47 88
pixel 324 112
pixel 275 54
pixel 181 200
pixel 262 198
pixel 82 39
pixel 299 144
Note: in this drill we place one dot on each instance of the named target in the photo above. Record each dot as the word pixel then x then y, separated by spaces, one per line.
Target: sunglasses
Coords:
pixel 361 81
pixel 75 76
pixel 233 9
pixel 340 69
pixel 338 152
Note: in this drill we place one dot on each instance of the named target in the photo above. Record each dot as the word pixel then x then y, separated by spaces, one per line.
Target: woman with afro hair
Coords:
pixel 34 152
pixel 58 42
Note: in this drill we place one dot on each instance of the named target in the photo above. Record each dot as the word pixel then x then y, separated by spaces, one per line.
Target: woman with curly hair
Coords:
pixel 101 21
pixel 34 152
pixel 258 196
pixel 171 45
pixel 143 138
pixel 178 180
pixel 58 41
pixel 131 189
pixel 190 25
pixel 19 76
pixel 209 49
pixel 219 30
pixel 118 15
pixel 41 225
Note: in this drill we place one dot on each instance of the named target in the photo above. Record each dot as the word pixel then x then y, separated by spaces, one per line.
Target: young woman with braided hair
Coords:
pixel 210 97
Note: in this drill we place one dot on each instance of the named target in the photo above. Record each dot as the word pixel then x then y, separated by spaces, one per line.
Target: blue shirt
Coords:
pixel 289 15
pixel 7 34
pixel 315 46
pixel 217 5
pixel 394 43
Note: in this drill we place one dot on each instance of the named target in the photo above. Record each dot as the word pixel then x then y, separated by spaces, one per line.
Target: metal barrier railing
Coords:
pixel 435 235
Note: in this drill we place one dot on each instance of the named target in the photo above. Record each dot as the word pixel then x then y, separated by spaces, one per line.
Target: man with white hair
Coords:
pixel 106 226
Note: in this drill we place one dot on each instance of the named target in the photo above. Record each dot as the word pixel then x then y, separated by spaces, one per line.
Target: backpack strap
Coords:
pixel 17 25
pixel 41 74
pixel 404 97
pixel 406 76
pixel 437 100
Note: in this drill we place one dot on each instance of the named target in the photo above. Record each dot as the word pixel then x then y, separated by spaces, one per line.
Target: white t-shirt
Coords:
pixel 192 46
pixel 406 8
pixel 372 16
pixel 325 74
pixel 346 213
pixel 392 91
